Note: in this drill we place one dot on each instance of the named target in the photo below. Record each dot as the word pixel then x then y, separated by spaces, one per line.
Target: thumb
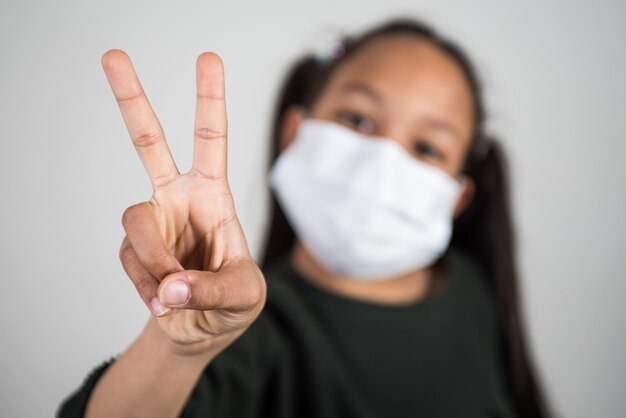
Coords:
pixel 238 286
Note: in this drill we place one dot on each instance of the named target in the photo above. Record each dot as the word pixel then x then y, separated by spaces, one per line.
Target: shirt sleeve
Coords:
pixel 74 405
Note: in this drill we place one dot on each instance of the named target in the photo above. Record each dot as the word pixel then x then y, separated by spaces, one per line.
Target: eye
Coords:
pixel 357 121
pixel 425 150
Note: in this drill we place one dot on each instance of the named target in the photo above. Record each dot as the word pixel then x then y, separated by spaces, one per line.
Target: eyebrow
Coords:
pixel 443 126
pixel 358 87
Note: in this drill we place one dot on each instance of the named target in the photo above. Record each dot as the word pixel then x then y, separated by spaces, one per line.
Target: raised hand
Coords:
pixel 184 249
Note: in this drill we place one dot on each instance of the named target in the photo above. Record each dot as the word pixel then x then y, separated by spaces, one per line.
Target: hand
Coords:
pixel 184 249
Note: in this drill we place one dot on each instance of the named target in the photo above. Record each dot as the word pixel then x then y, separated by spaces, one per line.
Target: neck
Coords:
pixel 396 290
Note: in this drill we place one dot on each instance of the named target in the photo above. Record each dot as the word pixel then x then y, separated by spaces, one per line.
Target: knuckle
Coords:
pixel 133 215
pixel 197 172
pixel 213 96
pixel 216 295
pixel 145 286
pixel 250 293
pixel 251 296
pixel 204 133
pixel 125 253
pixel 164 179
pixel 256 290
pixel 161 264
pixel 147 139
pixel 130 215
pixel 152 261
pixel 221 293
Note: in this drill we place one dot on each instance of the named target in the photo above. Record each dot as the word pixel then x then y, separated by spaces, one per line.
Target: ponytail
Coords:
pixel 485 232
pixel 297 91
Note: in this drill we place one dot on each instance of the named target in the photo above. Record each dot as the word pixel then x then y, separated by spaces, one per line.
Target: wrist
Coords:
pixel 169 352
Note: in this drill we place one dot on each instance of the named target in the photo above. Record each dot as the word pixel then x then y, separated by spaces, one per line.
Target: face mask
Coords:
pixel 362 205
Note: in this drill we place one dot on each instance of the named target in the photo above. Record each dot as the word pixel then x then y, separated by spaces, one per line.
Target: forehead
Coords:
pixel 414 77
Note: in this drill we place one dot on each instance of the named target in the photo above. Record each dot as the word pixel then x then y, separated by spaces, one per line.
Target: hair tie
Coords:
pixel 326 43
pixel 330 51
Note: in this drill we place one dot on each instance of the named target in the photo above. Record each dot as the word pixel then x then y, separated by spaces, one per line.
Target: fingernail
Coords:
pixel 157 307
pixel 175 293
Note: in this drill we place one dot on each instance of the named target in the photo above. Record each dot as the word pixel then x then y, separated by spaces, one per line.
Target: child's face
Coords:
pixel 408 90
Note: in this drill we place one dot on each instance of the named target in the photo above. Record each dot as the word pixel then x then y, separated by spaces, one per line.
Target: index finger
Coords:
pixel 142 124
pixel 210 130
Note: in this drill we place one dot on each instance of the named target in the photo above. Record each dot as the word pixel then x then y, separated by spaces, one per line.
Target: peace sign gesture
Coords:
pixel 184 249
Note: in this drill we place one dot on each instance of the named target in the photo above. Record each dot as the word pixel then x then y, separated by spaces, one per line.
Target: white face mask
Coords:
pixel 362 205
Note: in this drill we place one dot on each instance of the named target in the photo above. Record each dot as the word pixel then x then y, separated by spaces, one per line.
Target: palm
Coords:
pixel 189 230
pixel 196 213
pixel 190 210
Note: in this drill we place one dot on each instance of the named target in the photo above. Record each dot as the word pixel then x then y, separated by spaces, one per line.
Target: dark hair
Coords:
pixel 484 230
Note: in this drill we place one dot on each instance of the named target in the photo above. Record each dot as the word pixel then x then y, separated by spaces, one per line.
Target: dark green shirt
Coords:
pixel 312 353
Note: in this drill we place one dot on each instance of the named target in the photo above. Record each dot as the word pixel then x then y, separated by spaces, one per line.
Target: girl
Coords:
pixel 388 284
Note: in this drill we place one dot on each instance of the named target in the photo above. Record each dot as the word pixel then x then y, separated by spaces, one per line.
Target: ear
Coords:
pixel 468 189
pixel 289 124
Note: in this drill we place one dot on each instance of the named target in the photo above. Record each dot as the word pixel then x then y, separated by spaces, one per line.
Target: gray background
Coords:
pixel 554 77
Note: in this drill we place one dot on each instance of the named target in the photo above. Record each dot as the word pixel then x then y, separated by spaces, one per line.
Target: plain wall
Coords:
pixel 554 79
